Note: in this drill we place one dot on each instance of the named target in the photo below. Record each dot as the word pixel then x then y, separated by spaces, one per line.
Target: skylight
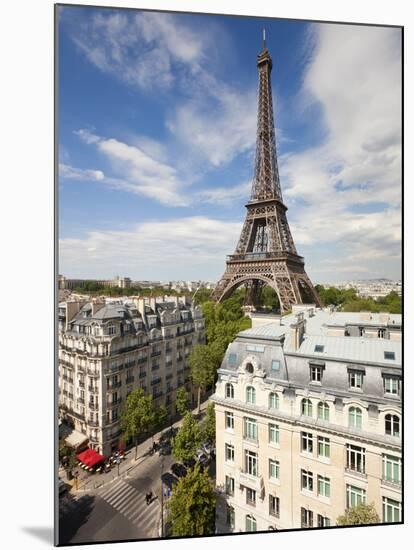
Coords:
pixel 319 348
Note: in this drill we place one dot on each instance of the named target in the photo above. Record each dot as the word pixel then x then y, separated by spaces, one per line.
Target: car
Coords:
pixel 169 480
pixel 179 470
pixel 62 487
pixel 189 463
pixel 203 460
pixel 165 449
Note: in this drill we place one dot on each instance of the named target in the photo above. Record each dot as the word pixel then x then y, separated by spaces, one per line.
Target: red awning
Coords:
pixel 90 457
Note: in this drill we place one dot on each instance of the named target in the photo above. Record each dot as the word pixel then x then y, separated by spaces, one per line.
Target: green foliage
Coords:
pixel 182 401
pixel 139 415
pixel 202 295
pixel 208 425
pixel 192 506
pixel 347 300
pixel 160 417
pixel 269 298
pixel 203 365
pixel 363 514
pixel 187 440
pixel 67 457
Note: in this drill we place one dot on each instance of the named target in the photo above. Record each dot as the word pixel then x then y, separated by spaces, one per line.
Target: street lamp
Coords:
pixel 162 497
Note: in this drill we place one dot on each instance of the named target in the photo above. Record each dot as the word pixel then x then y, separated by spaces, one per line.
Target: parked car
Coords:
pixel 189 463
pixel 179 470
pixel 165 448
pixel 169 480
pixel 203 460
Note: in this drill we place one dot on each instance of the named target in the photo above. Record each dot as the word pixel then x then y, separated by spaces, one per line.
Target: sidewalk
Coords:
pixel 88 483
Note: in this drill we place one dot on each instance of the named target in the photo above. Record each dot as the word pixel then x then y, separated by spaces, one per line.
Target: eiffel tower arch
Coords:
pixel 266 253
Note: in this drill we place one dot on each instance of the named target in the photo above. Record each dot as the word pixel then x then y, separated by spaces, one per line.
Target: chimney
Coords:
pixel 298 330
pixel 96 306
pixel 72 309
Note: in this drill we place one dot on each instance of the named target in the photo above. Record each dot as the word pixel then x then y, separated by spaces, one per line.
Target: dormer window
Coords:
pixel 250 395
pixel 275 366
pixel 111 330
pixel 249 368
pixel 315 373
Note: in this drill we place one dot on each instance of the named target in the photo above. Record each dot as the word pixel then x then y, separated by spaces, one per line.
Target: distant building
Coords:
pixel 106 350
pixel 308 421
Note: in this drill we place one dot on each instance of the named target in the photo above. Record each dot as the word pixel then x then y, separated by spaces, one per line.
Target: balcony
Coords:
pixel 67 379
pixel 155 354
pixel 130 380
pixel 142 360
pixel 114 385
pixel 155 381
pixel 254 256
pixel 93 389
pixel 81 368
pixel 155 367
pixel 114 402
pixel 92 423
pixel 81 400
pixel 142 374
pixel 356 473
pixel 81 383
pixel 92 372
pixel 250 481
pixel 114 370
pixel 93 406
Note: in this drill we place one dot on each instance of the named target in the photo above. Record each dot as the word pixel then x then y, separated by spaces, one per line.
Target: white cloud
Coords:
pixel 69 172
pixel 354 75
pixel 171 249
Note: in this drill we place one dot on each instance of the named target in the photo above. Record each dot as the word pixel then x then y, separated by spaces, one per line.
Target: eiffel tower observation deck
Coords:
pixel 266 253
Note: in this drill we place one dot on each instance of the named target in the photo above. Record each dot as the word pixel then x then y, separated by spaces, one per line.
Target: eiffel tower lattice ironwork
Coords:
pixel 266 253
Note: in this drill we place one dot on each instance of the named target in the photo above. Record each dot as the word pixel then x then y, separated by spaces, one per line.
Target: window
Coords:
pixel 392 425
pixel 316 373
pixel 250 429
pixel 250 496
pixel 354 496
pixel 324 447
pixel 355 380
pixel 111 330
pixel 307 480
pixel 306 407
pixel 324 486
pixel 355 458
pixel 323 411
pixel 230 391
pixel 274 469
pixel 229 421
pixel 391 384
pixel 250 463
pixel 355 417
pixel 273 400
pixel 391 468
pixel 319 348
pixel 274 433
pixel 275 366
pixel 306 442
pixel 306 518
pixel 232 360
pixel 390 355
pixel 250 395
pixel 391 510
pixel 230 519
pixel 361 331
pixel 229 450
pixel 251 524
pixel 229 485
pixel 274 506
pixel 257 348
pixel 381 333
pixel 323 521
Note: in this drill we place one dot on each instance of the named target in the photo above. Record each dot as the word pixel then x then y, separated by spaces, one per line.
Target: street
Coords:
pixel 117 510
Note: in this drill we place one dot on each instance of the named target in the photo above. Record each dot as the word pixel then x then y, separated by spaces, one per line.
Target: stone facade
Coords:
pixel 106 350
pixel 308 424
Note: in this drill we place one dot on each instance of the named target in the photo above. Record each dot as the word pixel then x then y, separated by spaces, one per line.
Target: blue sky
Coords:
pixel 157 127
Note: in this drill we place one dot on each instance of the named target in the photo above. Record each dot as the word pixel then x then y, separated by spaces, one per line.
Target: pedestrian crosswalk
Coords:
pixel 131 504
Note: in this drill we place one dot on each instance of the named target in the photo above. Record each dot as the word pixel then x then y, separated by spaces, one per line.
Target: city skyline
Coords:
pixel 155 169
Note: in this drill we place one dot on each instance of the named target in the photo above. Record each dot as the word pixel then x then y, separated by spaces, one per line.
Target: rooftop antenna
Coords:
pixel 264 39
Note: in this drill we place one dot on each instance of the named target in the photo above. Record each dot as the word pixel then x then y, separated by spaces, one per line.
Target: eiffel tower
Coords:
pixel 266 253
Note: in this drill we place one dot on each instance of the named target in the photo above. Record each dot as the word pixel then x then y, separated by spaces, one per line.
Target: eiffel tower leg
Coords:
pixel 254 289
pixel 305 281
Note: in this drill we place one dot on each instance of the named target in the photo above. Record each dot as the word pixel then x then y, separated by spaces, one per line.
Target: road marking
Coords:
pixel 129 502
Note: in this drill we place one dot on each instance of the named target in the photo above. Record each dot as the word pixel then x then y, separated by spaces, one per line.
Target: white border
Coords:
pixel 26 35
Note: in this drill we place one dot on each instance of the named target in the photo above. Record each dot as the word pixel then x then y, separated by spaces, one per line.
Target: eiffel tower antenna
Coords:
pixel 266 253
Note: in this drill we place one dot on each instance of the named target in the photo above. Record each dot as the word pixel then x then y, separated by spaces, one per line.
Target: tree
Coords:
pixel 67 457
pixel 192 506
pixel 187 440
pixel 182 402
pixel 208 425
pixel 138 416
pixel 362 514
pixel 203 368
